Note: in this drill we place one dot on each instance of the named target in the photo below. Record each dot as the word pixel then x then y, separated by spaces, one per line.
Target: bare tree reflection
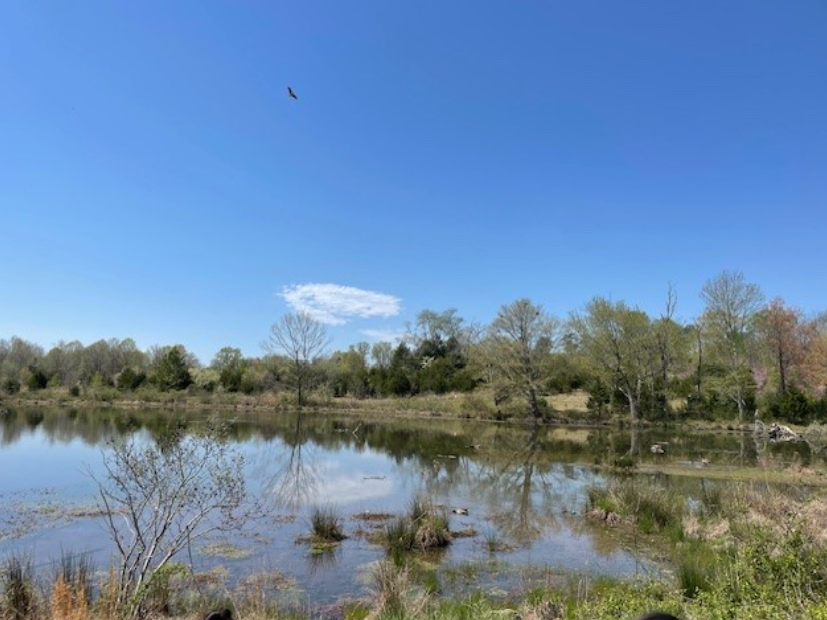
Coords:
pixel 520 492
pixel 298 477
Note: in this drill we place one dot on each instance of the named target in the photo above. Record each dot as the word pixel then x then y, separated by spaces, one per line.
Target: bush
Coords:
pixel 130 380
pixel 37 379
pixel 792 406
pixel 10 386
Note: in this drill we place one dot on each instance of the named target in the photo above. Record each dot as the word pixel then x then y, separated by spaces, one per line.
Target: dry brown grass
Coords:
pixel 396 594
pixel 576 401
pixel 106 606
pixel 68 602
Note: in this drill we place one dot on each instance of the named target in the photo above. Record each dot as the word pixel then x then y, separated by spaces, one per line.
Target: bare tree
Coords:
pixel 302 339
pixel 159 498
pixel 381 354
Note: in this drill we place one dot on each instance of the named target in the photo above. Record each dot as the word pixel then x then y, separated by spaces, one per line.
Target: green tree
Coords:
pixel 36 379
pixel 731 304
pixel 618 343
pixel 230 364
pixel 520 342
pixel 172 372
pixel 129 379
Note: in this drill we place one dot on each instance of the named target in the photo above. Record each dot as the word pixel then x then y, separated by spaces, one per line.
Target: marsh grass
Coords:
pixel 18 591
pixel 326 525
pixel 652 508
pixel 422 528
pixel 493 542
pixel 71 594
pixel 696 568
pixel 395 593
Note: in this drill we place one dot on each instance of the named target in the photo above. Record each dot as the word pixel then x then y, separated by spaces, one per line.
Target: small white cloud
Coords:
pixel 334 304
pixel 385 335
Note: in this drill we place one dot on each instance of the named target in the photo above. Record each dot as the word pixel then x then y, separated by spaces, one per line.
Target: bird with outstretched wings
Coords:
pixel 292 94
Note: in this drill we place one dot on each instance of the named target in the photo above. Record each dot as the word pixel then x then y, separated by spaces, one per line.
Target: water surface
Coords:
pixel 524 485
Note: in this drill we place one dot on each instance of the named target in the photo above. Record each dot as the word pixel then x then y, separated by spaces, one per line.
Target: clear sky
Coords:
pixel 157 182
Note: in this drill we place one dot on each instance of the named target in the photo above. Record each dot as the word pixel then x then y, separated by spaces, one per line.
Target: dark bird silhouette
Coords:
pixel 290 93
pixel 219 614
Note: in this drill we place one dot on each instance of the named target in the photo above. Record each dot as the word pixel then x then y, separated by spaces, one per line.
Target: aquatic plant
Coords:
pixel 424 527
pixel 326 524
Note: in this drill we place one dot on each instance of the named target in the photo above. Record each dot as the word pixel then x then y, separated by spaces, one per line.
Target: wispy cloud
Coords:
pixel 384 335
pixel 334 304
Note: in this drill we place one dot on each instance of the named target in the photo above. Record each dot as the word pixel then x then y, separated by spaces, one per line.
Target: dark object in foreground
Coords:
pixel 657 615
pixel 219 614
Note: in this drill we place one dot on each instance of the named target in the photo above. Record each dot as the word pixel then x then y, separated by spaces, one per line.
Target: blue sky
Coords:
pixel 157 182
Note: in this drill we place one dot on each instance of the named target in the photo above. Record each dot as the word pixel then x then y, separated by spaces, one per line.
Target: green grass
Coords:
pixel 652 507
pixel 696 568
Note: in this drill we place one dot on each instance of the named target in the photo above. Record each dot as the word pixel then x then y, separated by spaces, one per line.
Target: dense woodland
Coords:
pixel 743 356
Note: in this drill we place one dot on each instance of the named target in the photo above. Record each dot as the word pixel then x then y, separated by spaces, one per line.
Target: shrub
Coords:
pixel 37 379
pixel 10 386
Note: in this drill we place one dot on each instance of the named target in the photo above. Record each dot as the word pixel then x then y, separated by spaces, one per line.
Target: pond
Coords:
pixel 523 487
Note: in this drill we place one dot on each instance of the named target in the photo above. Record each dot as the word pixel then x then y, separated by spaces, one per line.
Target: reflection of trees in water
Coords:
pixel 519 491
pixel 413 443
pixel 288 470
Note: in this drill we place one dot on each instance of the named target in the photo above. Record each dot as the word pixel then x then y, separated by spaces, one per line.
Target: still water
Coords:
pixel 523 486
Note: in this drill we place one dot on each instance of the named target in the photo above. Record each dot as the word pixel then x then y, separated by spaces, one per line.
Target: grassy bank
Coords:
pixel 477 405
pixel 763 578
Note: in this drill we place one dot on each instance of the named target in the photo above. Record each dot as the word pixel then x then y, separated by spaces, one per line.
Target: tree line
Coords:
pixel 743 356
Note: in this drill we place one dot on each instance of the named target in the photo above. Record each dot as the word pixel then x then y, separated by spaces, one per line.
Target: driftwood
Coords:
pixel 776 432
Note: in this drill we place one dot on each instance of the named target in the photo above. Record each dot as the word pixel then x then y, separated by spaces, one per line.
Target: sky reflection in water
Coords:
pixel 527 485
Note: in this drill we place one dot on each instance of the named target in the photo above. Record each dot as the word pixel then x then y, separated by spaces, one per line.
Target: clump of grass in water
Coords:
pixel 655 509
pixel 18 594
pixel 326 525
pixel 399 537
pixel 418 509
pixel 493 542
pixel 423 528
pixel 600 498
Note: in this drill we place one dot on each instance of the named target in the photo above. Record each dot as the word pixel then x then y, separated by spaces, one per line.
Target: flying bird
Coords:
pixel 290 93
